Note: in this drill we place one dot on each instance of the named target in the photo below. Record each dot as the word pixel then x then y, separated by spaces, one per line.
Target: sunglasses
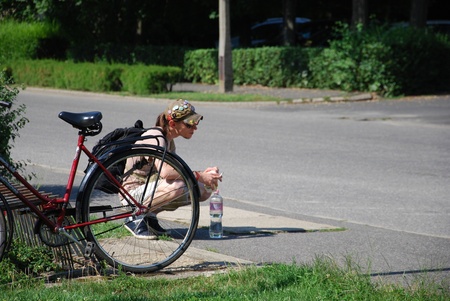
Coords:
pixel 189 126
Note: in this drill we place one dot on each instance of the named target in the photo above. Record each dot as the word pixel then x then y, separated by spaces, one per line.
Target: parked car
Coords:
pixel 317 33
pixel 270 32
pixel 309 32
pixel 440 26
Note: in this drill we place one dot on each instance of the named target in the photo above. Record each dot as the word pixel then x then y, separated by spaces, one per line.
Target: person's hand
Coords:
pixel 211 177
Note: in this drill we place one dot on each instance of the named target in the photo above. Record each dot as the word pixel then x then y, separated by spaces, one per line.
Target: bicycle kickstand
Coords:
pixel 88 248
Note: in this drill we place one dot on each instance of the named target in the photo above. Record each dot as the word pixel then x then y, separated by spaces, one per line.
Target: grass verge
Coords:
pixel 216 97
pixel 322 280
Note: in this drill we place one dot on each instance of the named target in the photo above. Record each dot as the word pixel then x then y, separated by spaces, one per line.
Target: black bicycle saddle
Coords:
pixel 81 120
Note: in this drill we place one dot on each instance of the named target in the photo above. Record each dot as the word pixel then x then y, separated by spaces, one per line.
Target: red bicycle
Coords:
pixel 102 212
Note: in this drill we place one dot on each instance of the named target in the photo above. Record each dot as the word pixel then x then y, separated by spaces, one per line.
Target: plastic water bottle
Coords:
pixel 215 214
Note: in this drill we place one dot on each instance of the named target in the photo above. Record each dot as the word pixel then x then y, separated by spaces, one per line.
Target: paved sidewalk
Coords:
pixel 235 221
pixel 238 221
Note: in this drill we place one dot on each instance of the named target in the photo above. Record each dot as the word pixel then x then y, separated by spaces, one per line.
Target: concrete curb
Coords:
pixel 327 97
pixel 357 97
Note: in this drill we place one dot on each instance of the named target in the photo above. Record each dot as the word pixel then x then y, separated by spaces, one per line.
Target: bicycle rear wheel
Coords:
pixel 3 237
pixel 177 215
pixel 4 242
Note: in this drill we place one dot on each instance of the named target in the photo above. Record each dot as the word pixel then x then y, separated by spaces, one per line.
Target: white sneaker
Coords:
pixel 153 226
pixel 139 229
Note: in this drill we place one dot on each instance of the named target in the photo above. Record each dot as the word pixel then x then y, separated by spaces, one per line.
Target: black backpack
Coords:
pixel 108 143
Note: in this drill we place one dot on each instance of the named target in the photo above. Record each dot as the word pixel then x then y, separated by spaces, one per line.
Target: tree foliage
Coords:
pixel 387 61
pixel 11 120
pixel 185 23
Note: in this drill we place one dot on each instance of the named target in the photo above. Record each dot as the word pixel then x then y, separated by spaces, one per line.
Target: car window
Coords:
pixel 267 31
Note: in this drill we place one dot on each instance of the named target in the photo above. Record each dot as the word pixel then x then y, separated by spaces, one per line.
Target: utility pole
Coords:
pixel 418 13
pixel 225 58
pixel 289 25
pixel 360 12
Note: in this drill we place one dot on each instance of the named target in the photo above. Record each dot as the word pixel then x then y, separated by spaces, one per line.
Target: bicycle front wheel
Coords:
pixel 141 244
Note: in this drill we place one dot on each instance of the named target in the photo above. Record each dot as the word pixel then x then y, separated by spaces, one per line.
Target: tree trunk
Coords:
pixel 289 35
pixel 359 12
pixel 225 58
pixel 418 13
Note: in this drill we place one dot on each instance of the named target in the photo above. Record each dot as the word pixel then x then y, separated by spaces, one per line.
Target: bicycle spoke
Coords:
pixel 167 230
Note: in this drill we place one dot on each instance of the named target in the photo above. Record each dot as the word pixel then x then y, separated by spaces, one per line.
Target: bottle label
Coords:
pixel 216 206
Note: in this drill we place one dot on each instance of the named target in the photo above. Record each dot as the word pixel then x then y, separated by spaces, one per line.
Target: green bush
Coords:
pixel 384 60
pixel 11 120
pixel 67 75
pixel 86 77
pixel 201 66
pixel 98 77
pixel 359 61
pixel 141 79
pixel 421 60
pixel 23 262
pixel 267 66
pixel 272 66
pixel 29 40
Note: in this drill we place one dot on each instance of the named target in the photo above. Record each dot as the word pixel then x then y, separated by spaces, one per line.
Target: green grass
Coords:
pixel 322 280
pixel 217 97
pixel 110 229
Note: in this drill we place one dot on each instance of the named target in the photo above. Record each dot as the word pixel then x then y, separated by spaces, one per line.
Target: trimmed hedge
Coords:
pixel 141 79
pixel 201 66
pixel 272 66
pixel 100 77
pixel 267 66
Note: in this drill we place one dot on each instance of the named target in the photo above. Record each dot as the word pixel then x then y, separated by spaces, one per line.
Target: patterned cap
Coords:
pixel 183 110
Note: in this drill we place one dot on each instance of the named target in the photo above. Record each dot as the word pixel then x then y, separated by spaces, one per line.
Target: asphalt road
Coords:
pixel 381 170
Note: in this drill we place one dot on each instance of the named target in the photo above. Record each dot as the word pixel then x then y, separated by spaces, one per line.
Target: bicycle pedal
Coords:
pixel 89 250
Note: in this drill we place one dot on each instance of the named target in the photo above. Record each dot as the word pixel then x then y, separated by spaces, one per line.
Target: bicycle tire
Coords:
pixel 3 237
pixel 5 227
pixel 117 246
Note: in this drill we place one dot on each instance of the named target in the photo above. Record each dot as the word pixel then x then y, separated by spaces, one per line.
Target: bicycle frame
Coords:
pixel 52 203
pixel 102 198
